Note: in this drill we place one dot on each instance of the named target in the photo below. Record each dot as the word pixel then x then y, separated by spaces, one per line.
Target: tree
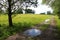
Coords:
pixel 55 4
pixel 1 11
pixel 42 13
pixel 48 12
pixel 19 11
pixel 29 11
pixel 9 13
pixel 13 5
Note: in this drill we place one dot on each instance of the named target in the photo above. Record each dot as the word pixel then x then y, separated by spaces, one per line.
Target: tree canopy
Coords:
pixel 16 4
pixel 29 11
pixel 55 4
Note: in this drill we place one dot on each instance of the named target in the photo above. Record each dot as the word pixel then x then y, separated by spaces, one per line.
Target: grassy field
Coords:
pixel 22 21
pixel 21 18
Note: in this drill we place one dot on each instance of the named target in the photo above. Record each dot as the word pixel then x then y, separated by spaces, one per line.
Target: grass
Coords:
pixel 58 28
pixel 28 18
pixel 22 22
pixel 58 21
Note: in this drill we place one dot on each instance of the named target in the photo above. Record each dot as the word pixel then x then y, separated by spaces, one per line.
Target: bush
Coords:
pixel 49 13
pixel 42 13
pixel 29 11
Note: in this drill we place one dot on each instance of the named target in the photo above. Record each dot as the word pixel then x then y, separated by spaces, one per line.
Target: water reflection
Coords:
pixel 32 32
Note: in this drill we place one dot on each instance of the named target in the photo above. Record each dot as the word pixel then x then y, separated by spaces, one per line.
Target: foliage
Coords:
pixel 29 11
pixel 19 11
pixel 17 4
pixel 49 13
pixel 21 23
pixel 55 4
pixel 1 11
pixel 6 31
pixel 58 28
pixel 42 13
pixel 13 5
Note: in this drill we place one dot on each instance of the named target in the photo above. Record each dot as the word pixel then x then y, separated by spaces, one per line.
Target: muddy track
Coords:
pixel 49 33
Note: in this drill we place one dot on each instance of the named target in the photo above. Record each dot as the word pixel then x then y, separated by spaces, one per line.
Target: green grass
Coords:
pixel 58 21
pixel 28 18
pixel 58 28
pixel 22 22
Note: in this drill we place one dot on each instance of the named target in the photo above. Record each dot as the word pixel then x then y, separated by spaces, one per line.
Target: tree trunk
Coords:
pixel 9 13
pixel 10 20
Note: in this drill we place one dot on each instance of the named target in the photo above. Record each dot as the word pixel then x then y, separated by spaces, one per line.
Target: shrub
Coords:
pixel 42 13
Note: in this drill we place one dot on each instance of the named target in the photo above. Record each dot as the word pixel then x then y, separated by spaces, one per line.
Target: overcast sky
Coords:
pixel 41 8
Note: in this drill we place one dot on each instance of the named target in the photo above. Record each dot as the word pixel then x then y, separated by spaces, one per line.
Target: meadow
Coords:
pixel 22 21
pixel 21 18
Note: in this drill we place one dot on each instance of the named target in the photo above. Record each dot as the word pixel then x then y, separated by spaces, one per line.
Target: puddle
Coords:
pixel 32 32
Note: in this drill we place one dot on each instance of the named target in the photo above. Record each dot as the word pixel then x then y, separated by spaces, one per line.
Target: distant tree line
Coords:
pixel 48 13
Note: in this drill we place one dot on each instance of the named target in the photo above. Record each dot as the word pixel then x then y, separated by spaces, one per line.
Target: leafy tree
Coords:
pixel 13 5
pixel 29 11
pixel 55 4
pixel 1 11
pixel 48 12
pixel 42 13
pixel 19 11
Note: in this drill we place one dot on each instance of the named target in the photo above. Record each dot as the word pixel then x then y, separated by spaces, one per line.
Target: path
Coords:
pixel 48 34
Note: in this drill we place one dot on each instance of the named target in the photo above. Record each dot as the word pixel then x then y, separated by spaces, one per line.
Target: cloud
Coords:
pixel 41 8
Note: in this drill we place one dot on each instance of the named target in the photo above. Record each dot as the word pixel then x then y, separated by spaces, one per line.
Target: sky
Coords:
pixel 41 8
